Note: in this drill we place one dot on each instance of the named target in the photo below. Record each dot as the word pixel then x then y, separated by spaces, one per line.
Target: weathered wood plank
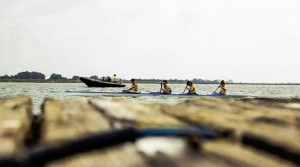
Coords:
pixel 275 125
pixel 264 133
pixel 163 151
pixel 15 121
pixel 65 120
pixel 155 151
pixel 143 115
pixel 71 119
pixel 153 115
pixel 125 155
pixel 245 156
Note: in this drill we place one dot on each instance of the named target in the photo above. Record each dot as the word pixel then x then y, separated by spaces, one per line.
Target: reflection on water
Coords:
pixel 39 91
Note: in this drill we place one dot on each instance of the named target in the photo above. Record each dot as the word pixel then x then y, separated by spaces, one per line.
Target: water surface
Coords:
pixel 39 91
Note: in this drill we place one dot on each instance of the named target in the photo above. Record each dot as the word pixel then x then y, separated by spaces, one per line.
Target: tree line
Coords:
pixel 40 76
pixel 36 75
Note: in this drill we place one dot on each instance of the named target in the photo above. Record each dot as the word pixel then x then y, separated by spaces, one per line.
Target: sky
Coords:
pixel 246 41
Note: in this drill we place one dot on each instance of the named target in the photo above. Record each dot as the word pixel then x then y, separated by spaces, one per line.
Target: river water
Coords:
pixel 39 91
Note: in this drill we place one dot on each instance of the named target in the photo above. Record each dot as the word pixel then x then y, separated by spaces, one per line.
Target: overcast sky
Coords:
pixel 247 41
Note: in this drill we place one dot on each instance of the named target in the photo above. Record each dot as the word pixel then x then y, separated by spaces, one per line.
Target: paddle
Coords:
pixel 187 84
pixel 184 89
pixel 160 87
pixel 216 89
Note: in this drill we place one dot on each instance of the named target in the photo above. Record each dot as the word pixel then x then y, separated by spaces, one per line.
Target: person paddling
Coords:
pixel 166 89
pixel 191 88
pixel 134 88
pixel 223 88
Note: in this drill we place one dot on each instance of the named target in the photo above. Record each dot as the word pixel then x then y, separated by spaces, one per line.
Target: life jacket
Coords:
pixel 222 90
pixel 135 87
pixel 192 90
pixel 167 89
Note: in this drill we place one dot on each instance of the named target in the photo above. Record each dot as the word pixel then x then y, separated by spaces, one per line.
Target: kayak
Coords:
pixel 152 94
pixel 98 83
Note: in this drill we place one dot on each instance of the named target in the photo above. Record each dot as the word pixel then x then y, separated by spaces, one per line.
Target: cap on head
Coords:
pixel 165 81
pixel 222 82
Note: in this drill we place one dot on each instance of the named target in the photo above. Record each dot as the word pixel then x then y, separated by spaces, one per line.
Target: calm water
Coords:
pixel 39 91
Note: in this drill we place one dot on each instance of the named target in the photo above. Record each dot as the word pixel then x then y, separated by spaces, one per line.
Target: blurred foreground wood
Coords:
pixel 259 132
pixel 15 122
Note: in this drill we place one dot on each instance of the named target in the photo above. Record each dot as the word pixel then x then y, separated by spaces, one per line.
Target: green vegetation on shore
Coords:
pixel 41 80
pixel 38 77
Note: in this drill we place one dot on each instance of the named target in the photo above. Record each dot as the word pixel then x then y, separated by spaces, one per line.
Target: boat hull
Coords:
pixel 153 94
pixel 95 83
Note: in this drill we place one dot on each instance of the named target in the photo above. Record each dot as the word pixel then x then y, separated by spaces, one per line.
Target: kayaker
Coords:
pixel 115 79
pixel 166 89
pixel 223 88
pixel 191 88
pixel 134 88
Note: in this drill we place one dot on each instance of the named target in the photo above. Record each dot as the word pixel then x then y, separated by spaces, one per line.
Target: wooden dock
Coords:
pixel 68 133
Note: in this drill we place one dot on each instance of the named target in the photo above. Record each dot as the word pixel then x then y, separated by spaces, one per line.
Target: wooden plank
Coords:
pixel 277 126
pixel 245 156
pixel 170 151
pixel 160 151
pixel 71 119
pixel 15 121
pixel 142 115
pixel 125 155
pixel 67 120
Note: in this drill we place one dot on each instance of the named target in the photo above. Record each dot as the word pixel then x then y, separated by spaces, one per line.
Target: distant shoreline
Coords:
pixel 40 81
pixel 142 82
